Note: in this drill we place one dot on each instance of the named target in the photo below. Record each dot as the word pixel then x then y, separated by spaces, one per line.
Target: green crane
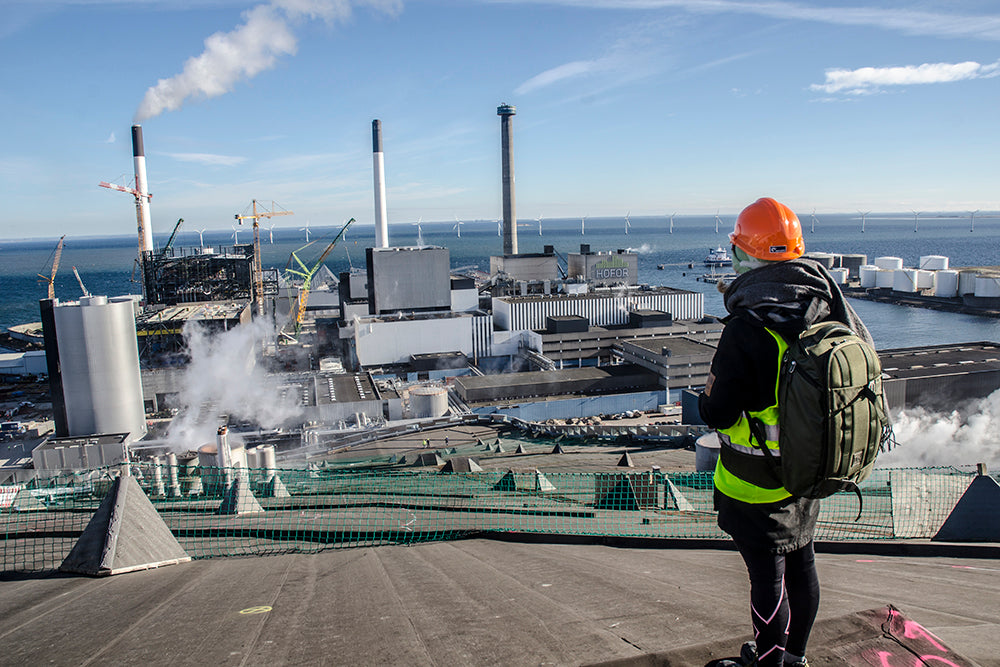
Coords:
pixel 306 273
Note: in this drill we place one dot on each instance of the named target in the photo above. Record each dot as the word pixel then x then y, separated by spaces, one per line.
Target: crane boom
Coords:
pixel 51 278
pixel 80 280
pixel 173 235
pixel 139 196
pixel 258 272
pixel 299 309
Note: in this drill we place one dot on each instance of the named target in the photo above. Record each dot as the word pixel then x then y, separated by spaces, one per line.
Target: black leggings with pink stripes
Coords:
pixel 784 599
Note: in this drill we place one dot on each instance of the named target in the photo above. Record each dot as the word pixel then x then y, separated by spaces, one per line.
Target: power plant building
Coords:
pixel 603 268
pixel 601 307
pixel 411 279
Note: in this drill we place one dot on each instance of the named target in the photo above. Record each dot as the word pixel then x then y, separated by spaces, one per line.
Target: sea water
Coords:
pixel 107 264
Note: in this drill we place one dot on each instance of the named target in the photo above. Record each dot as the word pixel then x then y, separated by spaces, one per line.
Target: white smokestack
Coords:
pixel 139 158
pixel 381 220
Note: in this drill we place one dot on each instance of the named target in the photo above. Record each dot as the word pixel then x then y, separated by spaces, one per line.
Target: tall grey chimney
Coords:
pixel 139 159
pixel 381 221
pixel 506 113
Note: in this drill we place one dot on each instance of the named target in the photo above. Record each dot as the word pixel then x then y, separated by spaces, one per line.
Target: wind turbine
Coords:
pixel 236 235
pixel 583 224
pixel 499 227
pixel 672 223
pixel 201 237
pixel 717 221
pixel 813 217
pixel 628 225
pixel 916 214
pixel 420 231
pixel 863 215
pixel 458 227
pixel 270 233
pixel 972 222
pixel 306 230
pixel 539 218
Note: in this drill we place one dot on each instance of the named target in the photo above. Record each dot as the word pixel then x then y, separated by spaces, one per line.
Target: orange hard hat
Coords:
pixel 768 230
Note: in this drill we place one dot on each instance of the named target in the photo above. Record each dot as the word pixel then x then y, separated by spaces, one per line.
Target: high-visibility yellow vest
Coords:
pixel 742 471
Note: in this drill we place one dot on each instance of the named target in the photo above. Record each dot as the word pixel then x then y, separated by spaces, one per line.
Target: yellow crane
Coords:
pixel 258 272
pixel 51 278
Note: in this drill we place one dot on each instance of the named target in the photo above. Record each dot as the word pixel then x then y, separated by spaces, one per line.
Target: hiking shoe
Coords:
pixel 748 653
pixel 801 662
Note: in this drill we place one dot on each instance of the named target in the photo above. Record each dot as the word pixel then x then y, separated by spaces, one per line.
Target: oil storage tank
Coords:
pixel 99 366
pixel 429 401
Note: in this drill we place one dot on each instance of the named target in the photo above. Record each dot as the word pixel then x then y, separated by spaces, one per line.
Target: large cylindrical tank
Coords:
pixel 885 278
pixel 946 283
pixel 853 263
pixel 867 273
pixel 967 282
pixel 904 280
pixel 925 279
pixel 824 258
pixel 839 275
pixel 890 263
pixel 706 452
pixel 429 401
pixel 99 361
pixel 987 286
pixel 933 262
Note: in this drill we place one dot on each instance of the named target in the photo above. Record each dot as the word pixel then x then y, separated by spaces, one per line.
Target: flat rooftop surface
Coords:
pixel 486 602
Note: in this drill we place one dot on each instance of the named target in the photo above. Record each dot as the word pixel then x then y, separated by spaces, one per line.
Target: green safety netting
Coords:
pixel 237 512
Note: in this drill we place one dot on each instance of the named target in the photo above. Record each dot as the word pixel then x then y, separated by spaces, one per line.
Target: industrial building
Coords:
pixel 160 330
pixel 603 268
pixel 680 362
pixel 191 275
pixel 940 377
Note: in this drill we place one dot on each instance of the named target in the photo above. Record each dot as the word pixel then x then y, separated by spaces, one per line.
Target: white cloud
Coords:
pixel 866 80
pixel 911 21
pixel 560 73
pixel 110 139
pixel 208 158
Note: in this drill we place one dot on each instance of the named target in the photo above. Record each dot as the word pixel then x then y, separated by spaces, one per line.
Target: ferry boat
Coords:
pixel 718 257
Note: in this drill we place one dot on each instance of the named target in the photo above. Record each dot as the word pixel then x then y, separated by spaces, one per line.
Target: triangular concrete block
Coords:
pixel 506 483
pixel 26 501
pixel 542 483
pixel 521 450
pixel 680 502
pixel 557 449
pixel 497 442
pixel 275 488
pixel 393 459
pixel 499 448
pixel 462 464
pixel 239 499
pixel 125 534
pixel 976 516
pixel 621 497
pixel 626 461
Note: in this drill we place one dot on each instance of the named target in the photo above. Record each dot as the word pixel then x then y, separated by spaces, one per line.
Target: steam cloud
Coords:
pixel 249 49
pixel 966 436
pixel 222 378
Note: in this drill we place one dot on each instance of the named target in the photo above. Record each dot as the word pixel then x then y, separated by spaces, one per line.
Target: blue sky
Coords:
pixel 647 106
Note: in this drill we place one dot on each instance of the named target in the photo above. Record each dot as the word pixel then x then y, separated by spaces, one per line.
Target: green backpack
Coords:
pixel 832 412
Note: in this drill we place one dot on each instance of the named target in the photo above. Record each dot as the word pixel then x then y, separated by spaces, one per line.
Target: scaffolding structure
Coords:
pixel 191 275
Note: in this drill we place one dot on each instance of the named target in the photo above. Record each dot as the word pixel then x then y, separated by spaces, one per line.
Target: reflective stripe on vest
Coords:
pixel 742 471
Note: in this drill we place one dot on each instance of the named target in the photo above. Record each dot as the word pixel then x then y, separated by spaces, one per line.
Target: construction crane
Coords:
pixel 173 235
pixel 51 278
pixel 258 272
pixel 80 280
pixel 306 273
pixel 139 195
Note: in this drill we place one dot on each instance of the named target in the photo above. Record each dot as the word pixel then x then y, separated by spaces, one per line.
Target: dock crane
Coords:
pixel 139 195
pixel 307 273
pixel 80 280
pixel 173 235
pixel 258 272
pixel 51 278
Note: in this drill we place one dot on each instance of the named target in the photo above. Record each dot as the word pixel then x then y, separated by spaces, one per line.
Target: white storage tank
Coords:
pixel 885 278
pixel 824 258
pixel 839 275
pixel 967 282
pixel 867 273
pixel 946 283
pixel 99 362
pixel 925 279
pixel 933 262
pixel 904 280
pixel 988 286
pixel 889 263
pixel 429 401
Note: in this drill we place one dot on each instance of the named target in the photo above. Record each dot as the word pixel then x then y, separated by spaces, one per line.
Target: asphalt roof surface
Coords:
pixel 488 602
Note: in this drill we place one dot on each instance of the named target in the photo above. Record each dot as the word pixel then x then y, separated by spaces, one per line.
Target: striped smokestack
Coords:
pixel 506 113
pixel 139 158
pixel 381 221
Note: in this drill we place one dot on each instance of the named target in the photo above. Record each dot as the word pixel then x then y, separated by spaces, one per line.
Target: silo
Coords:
pixel 99 367
pixel 429 401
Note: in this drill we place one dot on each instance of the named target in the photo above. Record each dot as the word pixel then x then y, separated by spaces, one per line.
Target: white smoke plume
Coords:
pixel 968 435
pixel 244 52
pixel 223 378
